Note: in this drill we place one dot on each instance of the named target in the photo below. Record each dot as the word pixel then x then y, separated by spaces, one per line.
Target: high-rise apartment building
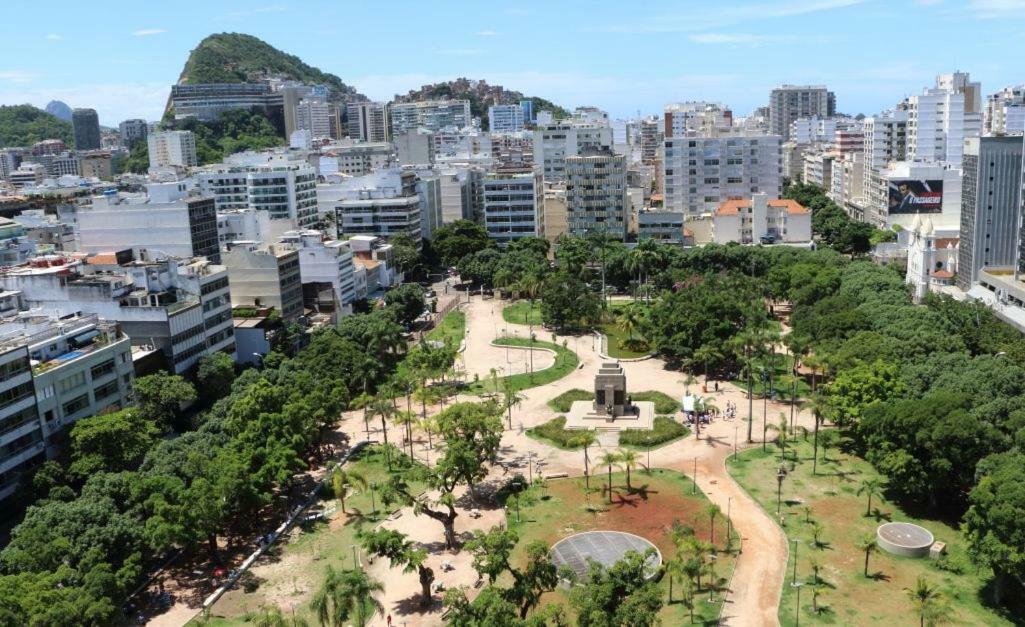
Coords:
pixel 555 143
pixel 368 121
pixel 172 149
pixel 1005 111
pixel 132 132
pixel 165 222
pixel 791 102
pixel 206 101
pixel 514 205
pixel 356 158
pixel 314 116
pixel 86 125
pixel 265 276
pixel 702 172
pixel 941 118
pixel 285 188
pixel 433 115
pixel 649 140
pixel 990 206
pixel 596 198
pixel 696 117
pixel 382 204
pixel 325 267
pixel 508 118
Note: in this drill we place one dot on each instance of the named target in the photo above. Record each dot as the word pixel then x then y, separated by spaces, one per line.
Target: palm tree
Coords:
pixel 530 286
pixel 706 354
pixel 781 435
pixel 609 459
pixel 872 486
pixel 406 419
pixel 816 533
pixel 346 597
pixel 819 405
pixel 586 439
pixel 271 616
pixel 429 425
pixel 867 544
pixel 342 480
pixel 510 397
pixel 363 401
pixel 629 320
pixel 712 511
pixel 688 598
pixel 642 258
pixel 384 408
pixel 673 569
pixel 930 604
pixel 703 404
pixel 628 460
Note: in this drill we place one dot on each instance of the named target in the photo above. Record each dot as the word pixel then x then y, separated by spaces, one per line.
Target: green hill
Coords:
pixel 24 125
pixel 481 96
pixel 238 58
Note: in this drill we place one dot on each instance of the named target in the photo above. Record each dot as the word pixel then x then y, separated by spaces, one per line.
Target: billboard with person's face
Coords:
pixel 915 196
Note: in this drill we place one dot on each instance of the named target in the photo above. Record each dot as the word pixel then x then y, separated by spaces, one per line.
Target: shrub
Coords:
pixel 664 429
pixel 664 404
pixel 555 431
pixel 563 401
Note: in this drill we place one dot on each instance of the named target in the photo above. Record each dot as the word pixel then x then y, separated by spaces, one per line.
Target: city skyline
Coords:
pixel 872 54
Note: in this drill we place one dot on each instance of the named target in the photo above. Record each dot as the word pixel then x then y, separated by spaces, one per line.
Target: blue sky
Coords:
pixel 121 57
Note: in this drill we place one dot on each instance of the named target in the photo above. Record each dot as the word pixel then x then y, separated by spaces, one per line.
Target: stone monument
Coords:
pixel 612 408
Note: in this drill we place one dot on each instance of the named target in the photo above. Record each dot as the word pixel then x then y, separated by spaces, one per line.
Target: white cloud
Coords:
pixel 146 32
pixel 462 51
pixel 16 76
pixel 989 9
pixel 113 101
pixel 723 38
pixel 53 37
pixel 486 33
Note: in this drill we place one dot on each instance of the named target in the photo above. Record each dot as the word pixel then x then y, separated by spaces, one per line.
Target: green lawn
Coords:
pixel 521 312
pixel 565 362
pixel 664 404
pixel 851 598
pixel 781 367
pixel 659 498
pixel 311 548
pixel 616 340
pixel 451 329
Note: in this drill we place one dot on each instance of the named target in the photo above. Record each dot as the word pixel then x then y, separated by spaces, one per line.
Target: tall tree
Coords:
pixel 994 524
pixel 346 598
pixel 400 551
pixel 160 397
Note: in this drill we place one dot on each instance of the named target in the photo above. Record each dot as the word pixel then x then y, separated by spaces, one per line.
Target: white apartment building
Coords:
pixel 181 307
pixel 596 194
pixel 791 102
pixel 368 121
pixel 467 142
pixel 848 180
pixel 313 115
pixel 1005 112
pixel 459 189
pixel 512 150
pixel 54 373
pixel 16 246
pixel 285 188
pixel 662 226
pixel 649 141
pixel 356 159
pixel 382 204
pixel 429 191
pixel 414 147
pixel 555 143
pixel 940 119
pixel 507 118
pixel 696 118
pixel 514 205
pixel 932 188
pixel 245 225
pixel 591 115
pixel 265 276
pixel 27 175
pixel 818 167
pixel 761 220
pixel 814 129
pixel 326 267
pixel 433 115
pixel 167 221
pixel 172 149
pixel 702 172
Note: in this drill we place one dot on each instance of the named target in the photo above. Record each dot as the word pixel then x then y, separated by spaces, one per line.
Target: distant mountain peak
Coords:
pixel 59 110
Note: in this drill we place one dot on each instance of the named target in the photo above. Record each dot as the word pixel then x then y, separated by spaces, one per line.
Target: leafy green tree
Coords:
pixel 856 389
pixel 458 239
pixel 215 375
pixel 585 440
pixel 407 300
pixel 24 125
pixel 343 480
pixel 994 524
pixel 871 487
pixel 537 577
pixel 609 459
pixel 930 604
pixel 160 397
pixel 867 545
pixel 407 256
pixel 492 551
pixel 482 268
pixel 111 442
pixel 567 303
pixel 490 607
pixel 628 460
pixel 618 596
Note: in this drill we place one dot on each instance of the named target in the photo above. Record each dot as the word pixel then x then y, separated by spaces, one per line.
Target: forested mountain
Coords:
pixel 481 96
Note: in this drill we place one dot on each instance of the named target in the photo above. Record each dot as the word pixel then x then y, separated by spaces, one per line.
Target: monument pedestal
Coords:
pixel 612 410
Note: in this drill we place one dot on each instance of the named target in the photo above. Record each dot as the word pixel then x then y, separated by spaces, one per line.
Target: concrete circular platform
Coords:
pixel 604 547
pixel 905 539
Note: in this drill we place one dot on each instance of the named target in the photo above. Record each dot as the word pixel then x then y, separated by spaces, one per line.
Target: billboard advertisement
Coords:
pixel 915 196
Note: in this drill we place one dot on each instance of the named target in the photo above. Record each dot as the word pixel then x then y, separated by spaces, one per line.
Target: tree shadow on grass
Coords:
pixel 879 576
pixel 1013 609
pixel 881 515
pixel 410 606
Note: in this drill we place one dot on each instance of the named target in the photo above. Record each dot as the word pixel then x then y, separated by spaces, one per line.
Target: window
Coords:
pixel 102 369
pixel 76 404
pixel 70 383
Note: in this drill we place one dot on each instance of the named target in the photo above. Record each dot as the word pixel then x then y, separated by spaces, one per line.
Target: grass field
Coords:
pixel 649 511
pixel 565 362
pixel 521 312
pixel 292 571
pixel 451 329
pixel 781 367
pixel 849 596
pixel 616 339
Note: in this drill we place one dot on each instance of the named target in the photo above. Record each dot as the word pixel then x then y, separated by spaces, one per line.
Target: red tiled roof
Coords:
pixel 733 207
pixel 943 274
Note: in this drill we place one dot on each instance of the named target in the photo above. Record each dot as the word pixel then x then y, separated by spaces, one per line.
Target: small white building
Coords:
pixel 172 148
pixel 326 267
pixel 761 220
pixel 932 257
pixel 514 205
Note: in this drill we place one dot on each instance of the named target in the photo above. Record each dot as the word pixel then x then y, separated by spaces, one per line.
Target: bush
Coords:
pixel 664 404
pixel 564 401
pixel 664 430
pixel 555 431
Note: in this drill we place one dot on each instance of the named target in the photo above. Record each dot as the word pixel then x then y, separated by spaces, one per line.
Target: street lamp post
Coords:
pixel 694 490
pixel 797 610
pixel 355 558
pixel 735 428
pixel 729 521
pixel 781 474
pixel 765 407
pixel 793 580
